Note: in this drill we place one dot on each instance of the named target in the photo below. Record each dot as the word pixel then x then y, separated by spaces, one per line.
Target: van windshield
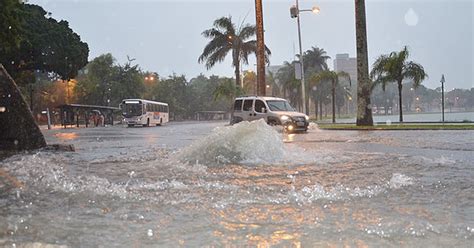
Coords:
pixel 278 105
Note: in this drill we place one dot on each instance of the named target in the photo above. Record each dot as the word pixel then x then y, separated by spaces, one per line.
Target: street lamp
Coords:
pixel 295 13
pixel 442 95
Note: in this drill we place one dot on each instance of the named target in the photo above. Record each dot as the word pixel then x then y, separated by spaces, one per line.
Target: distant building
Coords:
pixel 345 63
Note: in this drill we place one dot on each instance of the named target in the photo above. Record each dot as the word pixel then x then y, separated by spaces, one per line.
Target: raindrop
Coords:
pixel 15 142
pixel 10 27
pixel 9 95
pixel 150 233
pixel 13 62
pixel 411 18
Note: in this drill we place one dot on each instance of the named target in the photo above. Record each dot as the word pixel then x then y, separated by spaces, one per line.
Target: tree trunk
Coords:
pixel 18 128
pixel 364 111
pixel 333 91
pixel 261 85
pixel 237 71
pixel 400 100
pixel 321 110
pixel 316 108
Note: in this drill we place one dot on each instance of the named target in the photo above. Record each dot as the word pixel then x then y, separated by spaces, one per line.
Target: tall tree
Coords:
pixel 315 61
pixel 44 44
pixel 226 37
pixel 364 86
pixel 332 77
pixel 288 83
pixel 394 68
pixel 11 22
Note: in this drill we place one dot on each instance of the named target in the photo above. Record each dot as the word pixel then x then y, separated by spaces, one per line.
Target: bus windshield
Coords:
pixel 130 110
pixel 278 105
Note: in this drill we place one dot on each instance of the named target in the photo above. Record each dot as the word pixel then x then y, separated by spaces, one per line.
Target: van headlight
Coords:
pixel 284 118
pixel 306 117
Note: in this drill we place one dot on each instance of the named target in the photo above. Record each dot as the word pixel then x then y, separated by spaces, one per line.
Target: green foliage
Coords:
pixel 288 83
pixel 10 25
pixel 226 90
pixel 315 60
pixel 43 44
pixel 226 37
pixel 394 68
pixel 107 84
pixel 333 80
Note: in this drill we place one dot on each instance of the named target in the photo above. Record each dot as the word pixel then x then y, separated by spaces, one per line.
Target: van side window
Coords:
pixel 259 105
pixel 248 105
pixel 238 105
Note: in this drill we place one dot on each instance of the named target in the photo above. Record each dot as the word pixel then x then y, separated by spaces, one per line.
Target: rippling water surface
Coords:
pixel 207 184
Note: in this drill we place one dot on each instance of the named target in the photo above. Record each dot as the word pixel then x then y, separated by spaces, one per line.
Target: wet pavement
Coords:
pixel 208 184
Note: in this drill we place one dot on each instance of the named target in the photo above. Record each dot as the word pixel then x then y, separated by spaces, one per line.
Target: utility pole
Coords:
pixel 260 48
pixel 442 95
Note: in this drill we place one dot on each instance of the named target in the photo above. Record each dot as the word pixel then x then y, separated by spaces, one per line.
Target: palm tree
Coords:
pixel 225 37
pixel 315 61
pixel 288 82
pixel 395 68
pixel 364 86
pixel 332 77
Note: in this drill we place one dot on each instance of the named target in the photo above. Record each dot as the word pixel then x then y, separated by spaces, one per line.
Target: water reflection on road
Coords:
pixel 190 184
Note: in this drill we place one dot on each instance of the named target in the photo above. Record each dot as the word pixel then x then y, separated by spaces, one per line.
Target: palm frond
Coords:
pixel 415 72
pixel 217 56
pixel 247 31
pixel 214 45
pixel 225 23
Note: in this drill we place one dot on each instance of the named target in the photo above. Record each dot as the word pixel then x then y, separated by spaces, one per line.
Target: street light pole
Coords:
pixel 442 95
pixel 303 95
pixel 295 12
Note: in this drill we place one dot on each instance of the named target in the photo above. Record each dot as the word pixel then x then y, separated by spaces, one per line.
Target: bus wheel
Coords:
pixel 161 122
pixel 147 123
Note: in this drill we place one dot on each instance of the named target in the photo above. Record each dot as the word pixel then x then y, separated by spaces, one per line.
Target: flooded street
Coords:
pixel 198 184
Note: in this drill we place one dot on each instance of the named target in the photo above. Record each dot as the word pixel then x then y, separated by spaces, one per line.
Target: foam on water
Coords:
pixel 399 180
pixel 245 142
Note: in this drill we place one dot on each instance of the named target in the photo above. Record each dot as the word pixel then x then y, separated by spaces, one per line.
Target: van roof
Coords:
pixel 266 98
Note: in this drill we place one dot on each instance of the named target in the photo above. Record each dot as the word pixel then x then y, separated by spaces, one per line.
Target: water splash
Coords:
pixel 245 142
pixel 399 180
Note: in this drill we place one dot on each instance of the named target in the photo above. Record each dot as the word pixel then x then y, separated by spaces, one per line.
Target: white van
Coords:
pixel 275 111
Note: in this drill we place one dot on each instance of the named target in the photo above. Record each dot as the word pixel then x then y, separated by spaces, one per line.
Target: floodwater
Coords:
pixel 208 184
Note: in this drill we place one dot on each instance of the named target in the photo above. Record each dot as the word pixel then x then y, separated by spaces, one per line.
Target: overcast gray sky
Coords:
pixel 165 35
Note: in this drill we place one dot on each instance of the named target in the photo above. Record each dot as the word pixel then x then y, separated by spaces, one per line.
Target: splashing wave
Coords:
pixel 245 142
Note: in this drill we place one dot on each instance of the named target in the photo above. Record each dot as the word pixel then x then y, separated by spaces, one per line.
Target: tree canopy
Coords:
pixel 227 37
pixel 394 68
pixel 39 42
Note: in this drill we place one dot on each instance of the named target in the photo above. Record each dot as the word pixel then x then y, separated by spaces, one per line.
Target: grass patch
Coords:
pixel 408 126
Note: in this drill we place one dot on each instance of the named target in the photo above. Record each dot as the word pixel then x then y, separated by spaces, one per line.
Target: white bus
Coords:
pixel 144 112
